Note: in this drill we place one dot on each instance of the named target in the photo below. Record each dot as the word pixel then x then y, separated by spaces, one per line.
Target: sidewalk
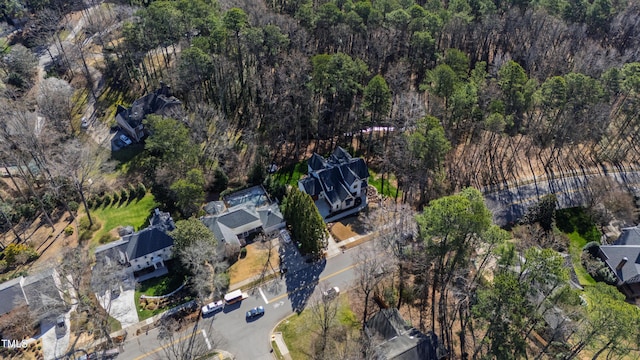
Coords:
pixel 282 347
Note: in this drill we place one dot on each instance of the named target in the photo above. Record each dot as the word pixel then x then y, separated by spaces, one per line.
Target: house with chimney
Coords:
pixel 159 102
pixel 623 258
pixel 337 183
pixel 145 252
pixel 242 214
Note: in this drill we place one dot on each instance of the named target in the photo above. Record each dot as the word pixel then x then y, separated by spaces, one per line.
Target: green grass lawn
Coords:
pixel 292 173
pixel 134 213
pixel 300 346
pixel 375 180
pixel 580 230
pixel 576 243
pixel 156 287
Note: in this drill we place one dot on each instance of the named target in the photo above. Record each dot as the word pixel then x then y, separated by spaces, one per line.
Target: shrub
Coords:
pixel 124 195
pixel 142 190
pixel 243 253
pixel 132 190
pixel 91 203
pixel 68 231
pixel 73 206
pixel 106 200
pixel 85 235
pixel 116 198
pixel 3 265
pixel 105 238
pixel 83 223
pixel 19 253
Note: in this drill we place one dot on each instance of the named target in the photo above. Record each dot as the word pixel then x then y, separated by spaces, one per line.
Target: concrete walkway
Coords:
pixel 282 347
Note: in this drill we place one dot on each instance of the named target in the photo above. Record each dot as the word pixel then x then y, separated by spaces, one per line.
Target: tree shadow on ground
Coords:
pixel 302 283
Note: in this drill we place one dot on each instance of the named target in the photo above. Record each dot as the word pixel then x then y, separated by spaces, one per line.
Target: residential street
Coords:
pixel 510 204
pixel 229 330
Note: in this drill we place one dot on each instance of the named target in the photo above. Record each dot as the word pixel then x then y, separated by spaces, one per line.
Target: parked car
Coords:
pixel 255 312
pixel 212 307
pixel 284 235
pixel 331 293
pixel 125 139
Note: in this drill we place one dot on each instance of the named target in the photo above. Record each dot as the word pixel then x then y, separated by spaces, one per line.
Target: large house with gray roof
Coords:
pixel 234 225
pixel 623 258
pixel 158 102
pixel 39 292
pixel 337 183
pixel 144 252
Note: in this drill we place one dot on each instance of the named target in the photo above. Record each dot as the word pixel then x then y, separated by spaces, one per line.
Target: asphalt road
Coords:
pixel 250 340
pixel 510 204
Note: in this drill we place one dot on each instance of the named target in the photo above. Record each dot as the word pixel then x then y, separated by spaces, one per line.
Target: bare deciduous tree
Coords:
pixel 54 102
pixel 323 313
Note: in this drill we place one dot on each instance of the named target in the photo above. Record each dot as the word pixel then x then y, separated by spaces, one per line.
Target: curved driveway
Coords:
pixel 509 203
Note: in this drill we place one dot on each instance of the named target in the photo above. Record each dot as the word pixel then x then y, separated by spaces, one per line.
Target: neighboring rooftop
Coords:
pixel 624 261
pixel 629 236
pixel 395 339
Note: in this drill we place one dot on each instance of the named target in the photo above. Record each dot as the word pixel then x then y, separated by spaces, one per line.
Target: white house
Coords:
pixel 144 252
pixel 337 183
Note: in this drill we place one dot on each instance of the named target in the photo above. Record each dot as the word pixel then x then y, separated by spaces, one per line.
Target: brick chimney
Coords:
pixel 621 263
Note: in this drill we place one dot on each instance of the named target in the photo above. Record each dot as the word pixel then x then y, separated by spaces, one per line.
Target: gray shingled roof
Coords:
pixel 630 271
pixel 359 167
pixel 240 220
pixel 629 236
pixel 316 162
pixel 332 182
pixel 311 186
pixel 270 216
pixel 11 295
pixel 340 156
pixel 147 241
pixel 394 339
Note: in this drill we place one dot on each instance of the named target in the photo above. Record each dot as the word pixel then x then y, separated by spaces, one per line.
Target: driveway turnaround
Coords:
pixel 54 341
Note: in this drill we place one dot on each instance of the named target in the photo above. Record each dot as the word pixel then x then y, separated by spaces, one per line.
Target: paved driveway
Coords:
pixel 123 306
pixel 54 342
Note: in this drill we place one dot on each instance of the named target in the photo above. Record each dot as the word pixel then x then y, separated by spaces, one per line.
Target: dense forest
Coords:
pixel 438 96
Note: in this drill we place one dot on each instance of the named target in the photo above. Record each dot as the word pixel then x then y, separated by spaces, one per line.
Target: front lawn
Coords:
pixel 156 287
pixel 134 213
pixel 253 263
pixel 301 346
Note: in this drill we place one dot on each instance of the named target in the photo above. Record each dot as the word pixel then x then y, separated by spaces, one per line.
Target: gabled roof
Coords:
pixel 394 339
pixel 270 216
pixel 316 162
pixel 359 167
pixel 143 242
pixel 311 186
pixel 629 236
pixel 240 220
pixel 39 291
pixel 339 156
pixel 42 291
pixel 333 184
pixel 146 241
pixel 11 295
pixel 348 175
pixel 630 271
